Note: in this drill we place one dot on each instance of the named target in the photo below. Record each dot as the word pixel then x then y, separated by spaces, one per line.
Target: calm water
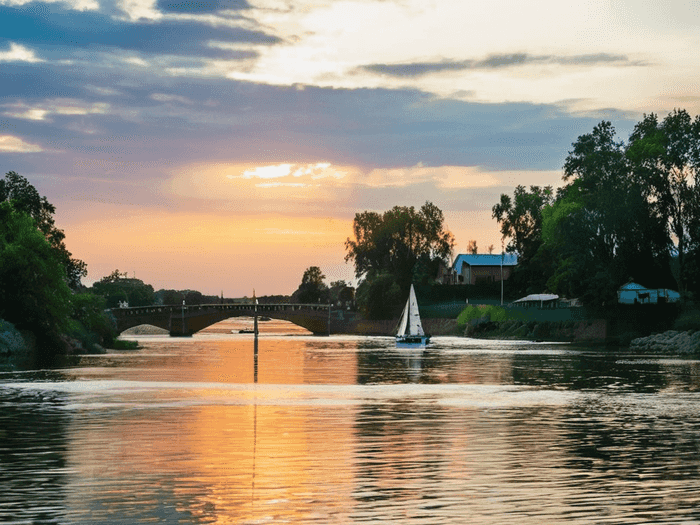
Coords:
pixel 350 430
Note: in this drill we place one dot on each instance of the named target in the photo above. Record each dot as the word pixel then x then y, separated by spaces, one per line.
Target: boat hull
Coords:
pixel 412 341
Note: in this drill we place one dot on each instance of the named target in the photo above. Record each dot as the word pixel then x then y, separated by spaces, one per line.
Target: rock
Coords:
pixel 671 341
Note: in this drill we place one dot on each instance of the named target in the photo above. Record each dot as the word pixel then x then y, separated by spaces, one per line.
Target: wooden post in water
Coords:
pixel 255 338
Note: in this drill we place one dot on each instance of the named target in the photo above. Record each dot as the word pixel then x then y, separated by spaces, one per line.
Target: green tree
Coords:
pixel 601 230
pixel 387 248
pixel 117 287
pixel 24 197
pixel 312 289
pixel 35 296
pixel 666 160
pixel 379 296
pixel 520 218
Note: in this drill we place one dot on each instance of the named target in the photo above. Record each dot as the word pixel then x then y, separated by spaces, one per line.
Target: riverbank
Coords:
pixel 669 342
pixel 593 331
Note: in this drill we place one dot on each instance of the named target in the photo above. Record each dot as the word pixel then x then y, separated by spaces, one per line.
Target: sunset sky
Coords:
pixel 227 145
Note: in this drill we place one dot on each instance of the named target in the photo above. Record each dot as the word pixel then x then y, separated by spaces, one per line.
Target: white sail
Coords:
pixel 414 325
pixel 403 323
pixel 410 318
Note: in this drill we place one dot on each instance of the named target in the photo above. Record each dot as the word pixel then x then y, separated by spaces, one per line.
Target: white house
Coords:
pixel 633 293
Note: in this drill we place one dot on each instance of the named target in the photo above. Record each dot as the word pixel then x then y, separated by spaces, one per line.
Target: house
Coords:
pixel 479 268
pixel 633 293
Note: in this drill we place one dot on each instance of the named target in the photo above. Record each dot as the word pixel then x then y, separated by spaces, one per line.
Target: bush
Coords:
pixel 689 319
pixel 495 314
pixel 90 323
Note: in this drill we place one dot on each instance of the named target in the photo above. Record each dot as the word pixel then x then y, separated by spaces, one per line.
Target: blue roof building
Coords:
pixel 476 268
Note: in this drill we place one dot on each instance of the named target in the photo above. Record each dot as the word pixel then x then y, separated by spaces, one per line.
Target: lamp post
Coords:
pixel 183 317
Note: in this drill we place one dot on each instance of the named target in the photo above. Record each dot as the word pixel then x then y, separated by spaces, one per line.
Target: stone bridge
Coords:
pixel 186 320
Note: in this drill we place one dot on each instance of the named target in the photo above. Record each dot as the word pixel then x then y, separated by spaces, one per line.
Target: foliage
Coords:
pixel 341 292
pixel 24 197
pixel 602 230
pixel 393 241
pixel 189 296
pixel 394 249
pixel 312 289
pixel 88 311
pixel 624 213
pixel 379 296
pixel 520 218
pixel 33 287
pixel 117 287
pixel 494 314
pixel 666 160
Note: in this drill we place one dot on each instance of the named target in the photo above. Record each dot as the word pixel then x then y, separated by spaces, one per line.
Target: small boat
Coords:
pixel 410 332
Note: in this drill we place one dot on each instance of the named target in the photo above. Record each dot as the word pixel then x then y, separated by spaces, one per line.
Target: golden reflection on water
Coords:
pixel 228 455
pixel 337 432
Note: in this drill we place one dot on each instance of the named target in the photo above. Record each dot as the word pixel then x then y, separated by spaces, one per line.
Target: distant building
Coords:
pixel 538 300
pixel 633 293
pixel 479 268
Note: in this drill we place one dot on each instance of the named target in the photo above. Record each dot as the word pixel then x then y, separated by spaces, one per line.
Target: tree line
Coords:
pixel 627 211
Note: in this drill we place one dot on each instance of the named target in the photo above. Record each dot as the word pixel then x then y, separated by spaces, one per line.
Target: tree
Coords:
pixel 471 248
pixel 312 289
pixel 24 197
pixel 341 291
pixel 33 287
pixel 601 230
pixel 393 241
pixel 666 161
pixel 521 219
pixel 388 247
pixel 117 287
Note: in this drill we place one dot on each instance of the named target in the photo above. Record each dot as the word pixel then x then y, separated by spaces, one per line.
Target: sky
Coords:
pixel 226 145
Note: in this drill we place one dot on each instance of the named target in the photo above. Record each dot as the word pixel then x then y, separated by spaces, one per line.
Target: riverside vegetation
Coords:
pixel 626 211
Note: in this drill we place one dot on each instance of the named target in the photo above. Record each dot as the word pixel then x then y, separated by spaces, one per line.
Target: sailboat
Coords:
pixel 410 332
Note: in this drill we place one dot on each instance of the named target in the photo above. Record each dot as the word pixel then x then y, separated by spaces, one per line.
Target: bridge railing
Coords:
pixel 140 310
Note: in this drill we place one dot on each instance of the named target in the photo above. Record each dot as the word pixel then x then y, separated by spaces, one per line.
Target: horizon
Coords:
pixel 227 145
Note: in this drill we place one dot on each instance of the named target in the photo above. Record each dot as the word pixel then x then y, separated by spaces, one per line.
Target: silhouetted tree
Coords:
pixel 665 157
pixel 312 289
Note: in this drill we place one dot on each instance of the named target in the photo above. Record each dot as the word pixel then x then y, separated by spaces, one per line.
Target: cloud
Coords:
pixel 18 53
pixel 417 69
pixel 12 144
pixel 201 6
pixel 42 111
pixel 78 5
pixel 51 27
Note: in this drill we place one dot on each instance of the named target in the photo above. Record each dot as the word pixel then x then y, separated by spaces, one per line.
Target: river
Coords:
pixel 347 429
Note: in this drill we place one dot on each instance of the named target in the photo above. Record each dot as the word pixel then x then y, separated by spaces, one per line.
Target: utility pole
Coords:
pixel 503 254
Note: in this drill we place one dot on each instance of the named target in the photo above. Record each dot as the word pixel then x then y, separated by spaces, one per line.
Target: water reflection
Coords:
pixel 339 430
pixel 33 449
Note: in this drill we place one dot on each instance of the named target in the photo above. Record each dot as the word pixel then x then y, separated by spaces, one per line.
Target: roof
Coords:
pixel 537 297
pixel 485 259
pixel 632 286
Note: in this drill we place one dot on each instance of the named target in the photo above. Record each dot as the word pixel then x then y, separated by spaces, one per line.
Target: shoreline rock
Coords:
pixel 671 341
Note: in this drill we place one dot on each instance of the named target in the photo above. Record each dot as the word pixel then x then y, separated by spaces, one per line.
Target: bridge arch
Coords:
pixel 187 320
